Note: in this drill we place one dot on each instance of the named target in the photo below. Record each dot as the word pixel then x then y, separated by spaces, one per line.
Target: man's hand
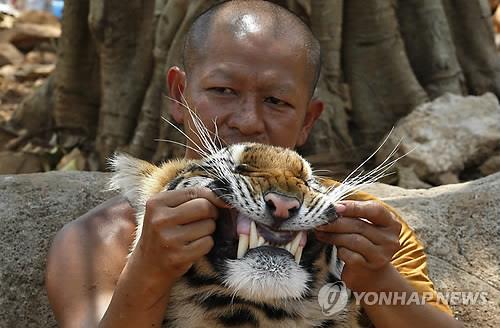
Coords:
pixel 177 230
pixel 366 247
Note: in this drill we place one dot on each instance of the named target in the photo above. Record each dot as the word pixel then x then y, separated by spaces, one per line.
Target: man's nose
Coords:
pixel 280 206
pixel 250 121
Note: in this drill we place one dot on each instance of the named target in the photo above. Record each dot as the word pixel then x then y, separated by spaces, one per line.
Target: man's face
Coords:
pixel 256 87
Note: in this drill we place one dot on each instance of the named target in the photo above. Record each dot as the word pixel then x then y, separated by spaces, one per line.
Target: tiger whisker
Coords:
pixel 200 151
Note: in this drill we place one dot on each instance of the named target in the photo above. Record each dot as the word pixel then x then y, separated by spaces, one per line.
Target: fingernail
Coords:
pixel 340 208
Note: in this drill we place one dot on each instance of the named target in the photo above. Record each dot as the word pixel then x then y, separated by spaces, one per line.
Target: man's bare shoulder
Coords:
pixel 111 222
pixel 87 256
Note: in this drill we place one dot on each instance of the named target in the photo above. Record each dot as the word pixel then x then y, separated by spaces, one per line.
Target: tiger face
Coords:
pixel 265 250
pixel 264 247
pixel 266 267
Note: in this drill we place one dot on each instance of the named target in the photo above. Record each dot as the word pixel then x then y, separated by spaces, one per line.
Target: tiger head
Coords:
pixel 265 249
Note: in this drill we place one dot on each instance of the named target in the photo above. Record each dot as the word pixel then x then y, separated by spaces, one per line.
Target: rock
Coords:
pixel 32 209
pixel 40 57
pixel 19 162
pixel 459 224
pixel 447 178
pixel 26 36
pixel 74 161
pixel 6 21
pixel 491 165
pixel 33 72
pixel 38 17
pixel 9 55
pixel 445 135
pixel 8 72
pixel 408 179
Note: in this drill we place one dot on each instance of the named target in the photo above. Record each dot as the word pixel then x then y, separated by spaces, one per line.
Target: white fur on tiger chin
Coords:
pixel 266 278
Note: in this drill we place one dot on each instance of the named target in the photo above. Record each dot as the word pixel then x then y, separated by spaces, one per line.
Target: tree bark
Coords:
pixel 143 144
pixel 123 32
pixel 472 31
pixel 77 92
pixel 383 86
pixel 430 48
pixel 330 146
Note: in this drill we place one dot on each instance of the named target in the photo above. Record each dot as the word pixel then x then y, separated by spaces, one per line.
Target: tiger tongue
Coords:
pixel 243 224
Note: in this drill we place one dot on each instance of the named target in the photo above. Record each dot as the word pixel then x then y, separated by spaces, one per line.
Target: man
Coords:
pixel 253 66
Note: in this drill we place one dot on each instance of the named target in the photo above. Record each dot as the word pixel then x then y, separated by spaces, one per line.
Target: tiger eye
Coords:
pixel 241 168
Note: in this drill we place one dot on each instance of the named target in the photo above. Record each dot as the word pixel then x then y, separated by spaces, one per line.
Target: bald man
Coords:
pixel 253 66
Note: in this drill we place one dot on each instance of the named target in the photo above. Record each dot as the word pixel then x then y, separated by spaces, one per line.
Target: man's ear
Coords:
pixel 314 110
pixel 176 83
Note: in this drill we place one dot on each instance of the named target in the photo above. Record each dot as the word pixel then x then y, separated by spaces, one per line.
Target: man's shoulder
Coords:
pixel 87 256
pixel 109 226
pixel 114 216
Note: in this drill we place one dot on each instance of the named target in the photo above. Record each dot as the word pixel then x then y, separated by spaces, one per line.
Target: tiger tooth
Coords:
pixel 296 242
pixel 298 255
pixel 260 241
pixel 288 246
pixel 242 245
pixel 253 235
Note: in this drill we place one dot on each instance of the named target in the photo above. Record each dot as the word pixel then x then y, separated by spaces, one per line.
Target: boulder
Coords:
pixel 12 162
pixel 491 165
pixel 444 136
pixel 458 223
pixel 9 55
pixel 26 36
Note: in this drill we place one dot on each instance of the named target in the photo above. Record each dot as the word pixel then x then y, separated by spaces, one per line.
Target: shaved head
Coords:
pixel 241 19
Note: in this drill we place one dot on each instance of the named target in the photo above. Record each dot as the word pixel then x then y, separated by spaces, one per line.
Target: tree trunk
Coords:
pixel 474 40
pixel 383 86
pixel 430 48
pixel 77 92
pixel 144 143
pixel 330 146
pixel 123 32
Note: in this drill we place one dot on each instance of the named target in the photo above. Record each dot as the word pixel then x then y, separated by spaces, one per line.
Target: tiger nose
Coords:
pixel 281 206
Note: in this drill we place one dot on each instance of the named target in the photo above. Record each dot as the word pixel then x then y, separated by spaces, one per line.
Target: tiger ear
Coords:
pixel 129 177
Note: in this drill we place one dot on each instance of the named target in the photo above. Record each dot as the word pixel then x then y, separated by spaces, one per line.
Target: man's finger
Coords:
pixel 175 198
pixel 198 248
pixel 373 211
pixel 191 211
pixel 354 242
pixel 351 258
pixel 355 225
pixel 187 233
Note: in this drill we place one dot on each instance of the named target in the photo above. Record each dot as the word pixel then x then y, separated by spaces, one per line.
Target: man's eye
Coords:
pixel 276 101
pixel 222 90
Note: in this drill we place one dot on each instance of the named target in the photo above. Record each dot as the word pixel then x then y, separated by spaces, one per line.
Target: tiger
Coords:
pixel 266 268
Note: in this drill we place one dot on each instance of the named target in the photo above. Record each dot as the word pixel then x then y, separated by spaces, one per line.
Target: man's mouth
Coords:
pixel 252 235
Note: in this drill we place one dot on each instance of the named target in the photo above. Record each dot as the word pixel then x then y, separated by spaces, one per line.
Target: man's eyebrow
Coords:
pixel 281 86
pixel 219 72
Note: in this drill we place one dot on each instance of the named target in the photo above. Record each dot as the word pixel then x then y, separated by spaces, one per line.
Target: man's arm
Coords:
pixel 84 262
pixel 92 284
pixel 367 249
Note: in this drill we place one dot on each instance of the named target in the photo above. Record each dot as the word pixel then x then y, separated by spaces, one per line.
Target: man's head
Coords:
pixel 253 66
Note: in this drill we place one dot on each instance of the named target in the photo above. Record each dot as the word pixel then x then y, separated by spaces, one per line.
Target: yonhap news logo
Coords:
pixel 333 298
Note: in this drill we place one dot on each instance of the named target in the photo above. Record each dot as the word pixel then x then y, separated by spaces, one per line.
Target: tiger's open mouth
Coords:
pixel 252 235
